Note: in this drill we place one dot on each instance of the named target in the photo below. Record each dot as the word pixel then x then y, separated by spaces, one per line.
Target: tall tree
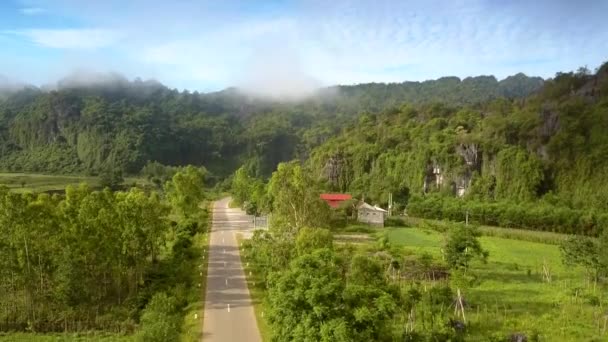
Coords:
pixel 295 199
pixel 185 191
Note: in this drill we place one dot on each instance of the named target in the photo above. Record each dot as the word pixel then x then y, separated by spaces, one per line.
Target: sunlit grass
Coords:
pixel 509 233
pixel 510 292
pixel 24 182
pixel 81 337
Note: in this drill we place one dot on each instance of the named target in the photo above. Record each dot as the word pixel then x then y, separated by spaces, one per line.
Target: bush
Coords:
pixel 532 216
pixel 395 222
pixel 462 245
pixel 160 320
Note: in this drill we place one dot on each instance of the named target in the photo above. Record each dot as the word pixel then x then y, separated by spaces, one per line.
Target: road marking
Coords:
pixel 226 281
pixel 228 307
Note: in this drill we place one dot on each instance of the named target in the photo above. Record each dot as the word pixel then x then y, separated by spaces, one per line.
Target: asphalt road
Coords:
pixel 229 312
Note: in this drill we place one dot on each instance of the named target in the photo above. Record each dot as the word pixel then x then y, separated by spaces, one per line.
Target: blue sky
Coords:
pixel 295 45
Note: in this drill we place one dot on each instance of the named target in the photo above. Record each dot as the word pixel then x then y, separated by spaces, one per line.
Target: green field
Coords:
pixel 511 295
pixel 509 233
pixel 25 337
pixel 23 182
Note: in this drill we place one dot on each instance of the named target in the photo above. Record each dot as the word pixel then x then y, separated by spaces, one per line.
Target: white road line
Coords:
pixel 228 307
pixel 226 281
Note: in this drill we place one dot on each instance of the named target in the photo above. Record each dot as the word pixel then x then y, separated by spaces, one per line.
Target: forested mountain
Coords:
pixel 90 123
pixel 550 145
pixel 450 90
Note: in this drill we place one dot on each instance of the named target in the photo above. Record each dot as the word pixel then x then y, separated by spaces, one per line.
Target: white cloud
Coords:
pixel 32 10
pixel 279 47
pixel 88 39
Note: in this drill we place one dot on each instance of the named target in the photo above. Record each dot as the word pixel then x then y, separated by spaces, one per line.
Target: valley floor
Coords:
pixel 524 286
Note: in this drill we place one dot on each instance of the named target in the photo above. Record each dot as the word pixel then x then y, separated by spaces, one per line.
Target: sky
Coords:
pixel 294 46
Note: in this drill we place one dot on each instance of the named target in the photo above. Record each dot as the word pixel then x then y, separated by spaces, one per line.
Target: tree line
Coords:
pixel 119 124
pixel 534 164
pixel 315 289
pixel 95 260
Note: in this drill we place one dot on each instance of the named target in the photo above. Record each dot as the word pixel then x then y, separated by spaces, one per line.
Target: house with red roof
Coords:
pixel 334 200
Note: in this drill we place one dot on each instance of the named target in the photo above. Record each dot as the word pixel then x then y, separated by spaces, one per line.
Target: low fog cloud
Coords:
pixel 8 84
pixel 276 73
pixel 88 78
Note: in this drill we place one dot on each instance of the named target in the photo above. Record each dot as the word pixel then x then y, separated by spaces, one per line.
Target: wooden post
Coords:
pixel 464 319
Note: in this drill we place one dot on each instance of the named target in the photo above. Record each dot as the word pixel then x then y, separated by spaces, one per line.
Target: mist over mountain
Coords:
pixel 89 121
pixel 8 85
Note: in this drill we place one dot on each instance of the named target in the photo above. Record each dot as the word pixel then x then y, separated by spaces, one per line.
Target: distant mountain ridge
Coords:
pixel 450 90
pixel 89 121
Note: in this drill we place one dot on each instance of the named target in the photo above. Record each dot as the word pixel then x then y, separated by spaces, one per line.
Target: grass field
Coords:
pixel 509 233
pixel 508 294
pixel 511 294
pixel 26 337
pixel 22 182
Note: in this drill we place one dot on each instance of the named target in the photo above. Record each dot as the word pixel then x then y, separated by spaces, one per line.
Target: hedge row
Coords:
pixel 532 216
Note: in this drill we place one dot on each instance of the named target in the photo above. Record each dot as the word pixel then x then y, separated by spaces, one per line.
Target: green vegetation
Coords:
pixel 511 292
pixel 32 337
pixel 256 288
pixel 123 125
pixel 427 281
pixel 192 327
pixel 28 182
pixel 294 200
pixel 127 263
pixel 533 164
pixel 95 262
pixel 534 216
pixel 311 298
pixel 502 232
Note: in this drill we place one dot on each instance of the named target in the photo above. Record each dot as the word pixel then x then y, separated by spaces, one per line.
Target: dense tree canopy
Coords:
pixel 546 147
pixel 88 127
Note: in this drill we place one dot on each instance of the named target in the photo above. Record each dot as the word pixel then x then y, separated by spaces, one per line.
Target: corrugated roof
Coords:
pixel 336 197
pixel 364 205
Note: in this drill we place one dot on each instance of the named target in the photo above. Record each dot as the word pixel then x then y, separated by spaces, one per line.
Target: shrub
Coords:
pixel 160 320
pixel 462 245
pixel 539 216
pixel 394 222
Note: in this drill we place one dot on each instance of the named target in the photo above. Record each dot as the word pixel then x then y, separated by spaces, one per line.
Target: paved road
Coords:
pixel 229 312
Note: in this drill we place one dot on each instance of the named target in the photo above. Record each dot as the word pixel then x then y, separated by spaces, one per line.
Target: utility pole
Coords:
pixel 390 204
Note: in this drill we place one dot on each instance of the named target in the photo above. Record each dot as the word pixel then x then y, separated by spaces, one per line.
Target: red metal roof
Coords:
pixel 336 197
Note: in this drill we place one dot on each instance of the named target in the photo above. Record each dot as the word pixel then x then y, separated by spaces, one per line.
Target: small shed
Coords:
pixel 334 200
pixel 369 214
